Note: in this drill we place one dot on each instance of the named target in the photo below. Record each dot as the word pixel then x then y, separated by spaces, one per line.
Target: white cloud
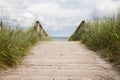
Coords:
pixel 28 15
pixel 105 8
pixel 58 17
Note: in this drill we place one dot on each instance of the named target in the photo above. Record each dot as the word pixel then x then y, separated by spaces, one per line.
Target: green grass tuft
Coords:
pixel 14 45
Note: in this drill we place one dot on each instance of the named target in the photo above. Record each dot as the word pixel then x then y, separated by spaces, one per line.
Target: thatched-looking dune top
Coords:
pixel 39 29
pixel 78 31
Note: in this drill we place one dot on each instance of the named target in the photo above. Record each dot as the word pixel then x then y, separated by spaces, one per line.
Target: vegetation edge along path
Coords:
pixel 103 36
pixel 61 61
pixel 15 43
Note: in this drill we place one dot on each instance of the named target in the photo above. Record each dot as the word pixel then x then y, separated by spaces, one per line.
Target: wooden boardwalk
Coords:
pixel 61 61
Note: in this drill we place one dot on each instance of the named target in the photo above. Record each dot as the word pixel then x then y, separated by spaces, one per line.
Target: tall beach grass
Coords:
pixel 103 35
pixel 14 45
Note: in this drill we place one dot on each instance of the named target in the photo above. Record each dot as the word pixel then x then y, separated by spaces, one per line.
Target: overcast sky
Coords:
pixel 58 17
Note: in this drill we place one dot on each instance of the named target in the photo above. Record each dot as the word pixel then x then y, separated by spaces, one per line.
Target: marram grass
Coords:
pixel 14 45
pixel 103 36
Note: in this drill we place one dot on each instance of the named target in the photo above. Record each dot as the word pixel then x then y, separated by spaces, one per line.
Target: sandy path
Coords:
pixel 61 61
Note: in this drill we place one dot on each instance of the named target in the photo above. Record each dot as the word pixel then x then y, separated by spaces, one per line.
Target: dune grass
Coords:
pixel 103 35
pixel 14 45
